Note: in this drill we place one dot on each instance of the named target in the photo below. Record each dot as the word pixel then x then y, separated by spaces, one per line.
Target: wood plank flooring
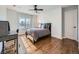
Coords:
pixel 50 45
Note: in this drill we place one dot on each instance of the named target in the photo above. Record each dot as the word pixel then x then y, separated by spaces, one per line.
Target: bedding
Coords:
pixel 37 33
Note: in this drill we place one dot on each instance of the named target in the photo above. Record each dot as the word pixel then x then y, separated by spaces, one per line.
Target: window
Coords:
pixel 28 22
pixel 24 22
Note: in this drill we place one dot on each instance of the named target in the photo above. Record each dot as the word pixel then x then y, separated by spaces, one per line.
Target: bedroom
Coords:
pixel 22 18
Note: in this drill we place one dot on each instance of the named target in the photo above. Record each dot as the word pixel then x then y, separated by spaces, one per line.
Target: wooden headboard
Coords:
pixel 47 25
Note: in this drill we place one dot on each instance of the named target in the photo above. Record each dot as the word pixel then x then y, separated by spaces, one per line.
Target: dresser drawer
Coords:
pixel 13 37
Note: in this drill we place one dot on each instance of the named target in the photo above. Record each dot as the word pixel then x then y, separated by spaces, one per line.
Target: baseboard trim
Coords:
pixel 56 38
pixel 69 38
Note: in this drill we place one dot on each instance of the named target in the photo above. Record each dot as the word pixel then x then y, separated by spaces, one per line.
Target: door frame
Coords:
pixel 63 21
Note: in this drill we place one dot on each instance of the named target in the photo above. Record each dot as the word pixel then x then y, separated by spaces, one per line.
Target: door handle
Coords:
pixel 74 27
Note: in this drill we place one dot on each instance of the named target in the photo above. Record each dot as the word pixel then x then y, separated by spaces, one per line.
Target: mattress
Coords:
pixel 38 32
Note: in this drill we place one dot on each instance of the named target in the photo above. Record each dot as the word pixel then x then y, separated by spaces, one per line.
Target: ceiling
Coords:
pixel 26 8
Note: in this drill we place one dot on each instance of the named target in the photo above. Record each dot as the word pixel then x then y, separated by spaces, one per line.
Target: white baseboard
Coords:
pixel 56 37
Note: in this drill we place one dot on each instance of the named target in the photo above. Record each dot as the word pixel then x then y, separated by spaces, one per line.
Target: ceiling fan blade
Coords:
pixel 36 9
pixel 31 9
pixel 39 9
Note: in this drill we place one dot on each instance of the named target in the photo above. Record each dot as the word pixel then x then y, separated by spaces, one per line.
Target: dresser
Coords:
pixel 10 36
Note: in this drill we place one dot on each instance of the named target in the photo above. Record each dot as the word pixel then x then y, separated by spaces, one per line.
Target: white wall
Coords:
pixel 12 18
pixel 55 17
pixel 3 14
pixel 34 21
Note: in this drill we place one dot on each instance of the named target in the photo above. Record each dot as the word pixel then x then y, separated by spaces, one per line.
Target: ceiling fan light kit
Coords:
pixel 36 9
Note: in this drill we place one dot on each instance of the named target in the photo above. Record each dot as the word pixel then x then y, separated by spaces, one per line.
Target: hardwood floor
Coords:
pixel 69 46
pixel 50 45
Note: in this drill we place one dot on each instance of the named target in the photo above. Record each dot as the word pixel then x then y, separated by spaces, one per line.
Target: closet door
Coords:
pixel 70 23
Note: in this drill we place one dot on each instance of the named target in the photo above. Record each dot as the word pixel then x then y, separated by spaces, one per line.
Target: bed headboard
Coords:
pixel 46 25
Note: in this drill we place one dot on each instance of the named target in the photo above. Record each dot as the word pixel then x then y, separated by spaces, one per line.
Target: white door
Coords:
pixel 70 23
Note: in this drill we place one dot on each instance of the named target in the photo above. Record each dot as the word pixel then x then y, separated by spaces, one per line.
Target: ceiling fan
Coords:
pixel 36 9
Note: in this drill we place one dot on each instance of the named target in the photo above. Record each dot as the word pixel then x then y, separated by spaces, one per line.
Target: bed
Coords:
pixel 35 33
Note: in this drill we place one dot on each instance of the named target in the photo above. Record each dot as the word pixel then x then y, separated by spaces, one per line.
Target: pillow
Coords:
pixel 42 26
pixel 46 26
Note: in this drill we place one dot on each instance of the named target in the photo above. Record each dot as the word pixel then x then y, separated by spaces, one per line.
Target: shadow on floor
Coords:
pixel 69 46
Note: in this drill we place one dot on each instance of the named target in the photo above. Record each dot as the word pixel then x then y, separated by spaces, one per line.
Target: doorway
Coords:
pixel 70 22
